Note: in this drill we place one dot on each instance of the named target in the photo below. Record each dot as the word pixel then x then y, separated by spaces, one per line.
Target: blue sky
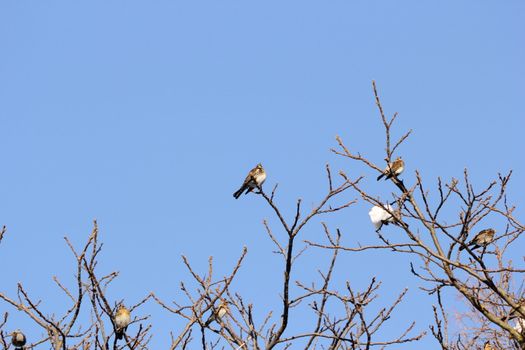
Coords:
pixel 147 116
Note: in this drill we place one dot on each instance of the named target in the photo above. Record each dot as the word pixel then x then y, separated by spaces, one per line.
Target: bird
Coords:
pixel 122 320
pixel 18 339
pixel 219 312
pixel 482 239
pixel 487 346
pixel 255 178
pixel 393 169
pixel 380 216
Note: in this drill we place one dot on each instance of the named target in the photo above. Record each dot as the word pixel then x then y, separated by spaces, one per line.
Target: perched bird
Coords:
pixel 482 239
pixel 122 320
pixel 380 216
pixel 393 169
pixel 18 339
pixel 219 312
pixel 255 178
pixel 487 346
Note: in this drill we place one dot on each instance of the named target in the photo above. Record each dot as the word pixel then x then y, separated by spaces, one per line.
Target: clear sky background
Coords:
pixel 147 116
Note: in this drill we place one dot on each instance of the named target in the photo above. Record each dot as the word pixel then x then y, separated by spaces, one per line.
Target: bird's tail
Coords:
pixel 380 176
pixel 507 318
pixel 238 193
pixel 120 332
pixel 473 246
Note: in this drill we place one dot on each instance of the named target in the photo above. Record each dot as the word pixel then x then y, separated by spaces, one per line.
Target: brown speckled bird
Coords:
pixel 393 169
pixel 255 178
pixel 18 339
pixel 122 320
pixel 482 239
pixel 219 312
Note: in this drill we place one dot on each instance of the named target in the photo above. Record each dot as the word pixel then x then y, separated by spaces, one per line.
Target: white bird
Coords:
pixel 380 216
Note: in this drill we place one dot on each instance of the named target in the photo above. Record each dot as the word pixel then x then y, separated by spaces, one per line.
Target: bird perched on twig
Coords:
pixel 219 312
pixel 18 339
pixel 122 320
pixel 393 169
pixel 482 239
pixel 255 178
pixel 380 216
